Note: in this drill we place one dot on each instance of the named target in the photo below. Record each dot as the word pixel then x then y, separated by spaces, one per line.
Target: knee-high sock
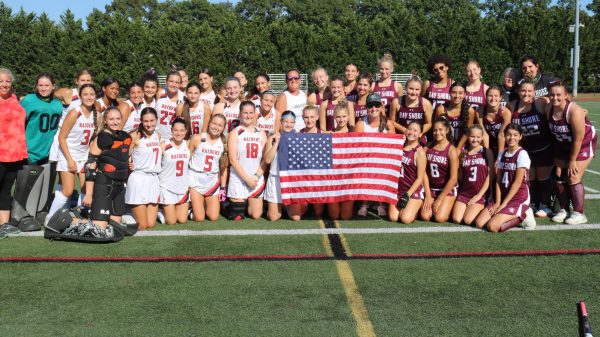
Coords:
pixel 533 193
pixel 509 224
pixel 80 199
pixel 562 194
pixel 59 202
pixel 577 197
pixel 544 191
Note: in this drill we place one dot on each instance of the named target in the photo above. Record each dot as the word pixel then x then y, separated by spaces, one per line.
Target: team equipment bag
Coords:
pixel 66 225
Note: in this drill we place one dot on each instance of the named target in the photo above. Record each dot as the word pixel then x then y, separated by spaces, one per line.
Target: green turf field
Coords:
pixel 277 282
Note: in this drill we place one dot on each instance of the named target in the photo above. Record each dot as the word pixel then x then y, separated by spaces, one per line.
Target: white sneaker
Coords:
pixel 161 217
pixel 576 218
pixel 529 222
pixel 190 214
pixel 560 216
pixel 381 211
pixel 543 212
pixel 362 211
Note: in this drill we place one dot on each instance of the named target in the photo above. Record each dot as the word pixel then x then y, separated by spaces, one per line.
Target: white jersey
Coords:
pixel 174 173
pixel 134 119
pixel 78 140
pixel 146 155
pixel 209 98
pixel 267 124
pixel 249 150
pixel 369 128
pixel 206 156
pixel 102 105
pixel 75 104
pixel 165 108
pixel 197 119
pixel 152 104
pixel 232 114
pixel 74 98
pixel 296 103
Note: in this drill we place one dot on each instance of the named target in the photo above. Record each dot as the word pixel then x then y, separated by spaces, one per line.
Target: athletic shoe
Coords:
pixel 362 211
pixel 9 228
pixel 128 219
pixel 238 218
pixel 190 214
pixel 576 218
pixel 529 222
pixel 3 235
pixel 161 217
pixel 381 211
pixel 560 216
pixel 543 212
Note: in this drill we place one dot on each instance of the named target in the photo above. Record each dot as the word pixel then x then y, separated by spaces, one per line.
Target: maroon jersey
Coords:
pixel 387 94
pixel 564 136
pixel 507 170
pixel 360 111
pixel 407 115
pixel 473 172
pixel 319 98
pixel 476 99
pixel 438 167
pixel 457 129
pixel 329 116
pixel 438 96
pixel 352 95
pixel 492 127
pixel 408 174
pixel 536 133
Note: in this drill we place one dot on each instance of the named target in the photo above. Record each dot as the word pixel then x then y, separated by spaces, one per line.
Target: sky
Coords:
pixel 54 8
pixel 81 8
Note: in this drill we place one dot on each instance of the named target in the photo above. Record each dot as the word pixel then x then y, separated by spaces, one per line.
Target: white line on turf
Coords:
pixel 322 231
pixel 592 171
pixel 591 190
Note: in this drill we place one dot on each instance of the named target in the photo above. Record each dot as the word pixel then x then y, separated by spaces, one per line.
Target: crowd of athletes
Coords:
pixel 492 156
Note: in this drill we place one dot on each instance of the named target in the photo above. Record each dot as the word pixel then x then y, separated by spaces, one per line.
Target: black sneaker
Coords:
pixel 9 228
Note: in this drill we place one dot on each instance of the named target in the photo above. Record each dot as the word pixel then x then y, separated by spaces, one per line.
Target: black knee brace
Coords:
pixel 237 210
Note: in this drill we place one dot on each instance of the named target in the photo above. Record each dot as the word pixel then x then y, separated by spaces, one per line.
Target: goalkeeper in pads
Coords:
pixel 106 172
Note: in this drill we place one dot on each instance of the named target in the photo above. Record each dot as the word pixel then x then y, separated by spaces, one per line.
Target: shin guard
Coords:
pixel 577 197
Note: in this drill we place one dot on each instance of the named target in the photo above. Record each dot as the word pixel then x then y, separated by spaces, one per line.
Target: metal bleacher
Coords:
pixel 278 82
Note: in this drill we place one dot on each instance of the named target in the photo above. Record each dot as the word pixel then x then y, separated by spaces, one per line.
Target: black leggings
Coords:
pixel 8 175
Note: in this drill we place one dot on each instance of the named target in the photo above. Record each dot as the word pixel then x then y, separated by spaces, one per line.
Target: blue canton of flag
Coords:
pixel 305 152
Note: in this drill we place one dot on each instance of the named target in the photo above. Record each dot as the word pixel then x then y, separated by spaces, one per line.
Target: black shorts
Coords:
pixel 108 198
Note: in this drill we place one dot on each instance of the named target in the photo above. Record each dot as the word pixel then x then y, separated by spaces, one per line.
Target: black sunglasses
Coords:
pixel 295 78
pixel 375 104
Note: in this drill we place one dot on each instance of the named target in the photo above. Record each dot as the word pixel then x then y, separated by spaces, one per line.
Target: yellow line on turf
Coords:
pixel 364 327
pixel 325 239
pixel 343 239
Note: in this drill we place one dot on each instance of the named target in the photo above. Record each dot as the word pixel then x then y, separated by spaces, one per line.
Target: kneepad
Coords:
pixel 237 210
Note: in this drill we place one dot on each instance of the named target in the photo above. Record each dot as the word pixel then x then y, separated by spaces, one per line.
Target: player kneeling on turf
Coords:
pixel 105 174
pixel 174 178
pixel 511 205
pixel 208 169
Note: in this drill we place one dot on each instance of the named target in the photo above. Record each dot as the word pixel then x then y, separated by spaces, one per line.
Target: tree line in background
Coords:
pixel 253 36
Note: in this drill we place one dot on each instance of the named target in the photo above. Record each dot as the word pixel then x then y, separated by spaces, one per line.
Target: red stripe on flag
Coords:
pixel 324 200
pixel 366 145
pixel 367 166
pixel 359 155
pixel 326 177
pixel 310 189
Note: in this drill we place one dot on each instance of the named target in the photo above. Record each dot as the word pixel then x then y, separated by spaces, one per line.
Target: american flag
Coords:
pixel 322 168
